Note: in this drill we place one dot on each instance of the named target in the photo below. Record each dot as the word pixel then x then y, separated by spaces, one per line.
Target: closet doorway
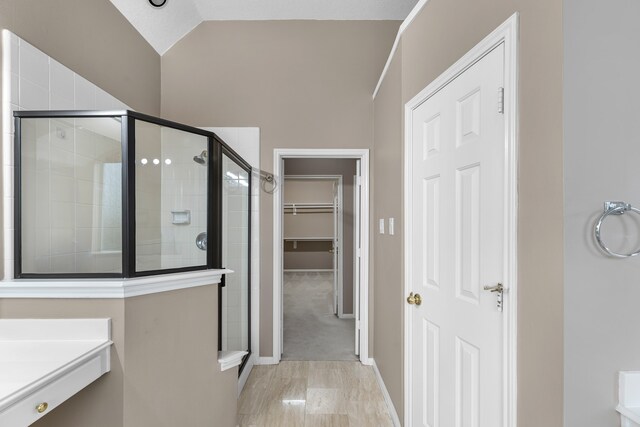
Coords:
pixel 318 255
pixel 313 230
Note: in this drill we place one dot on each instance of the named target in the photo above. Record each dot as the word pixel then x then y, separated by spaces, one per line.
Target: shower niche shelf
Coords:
pixel 114 194
pixel 181 217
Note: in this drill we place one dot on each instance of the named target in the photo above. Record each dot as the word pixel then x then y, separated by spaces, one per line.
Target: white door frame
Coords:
pixel 279 154
pixel 338 212
pixel 506 34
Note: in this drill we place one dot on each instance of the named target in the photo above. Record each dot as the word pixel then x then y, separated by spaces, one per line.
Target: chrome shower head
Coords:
pixel 201 159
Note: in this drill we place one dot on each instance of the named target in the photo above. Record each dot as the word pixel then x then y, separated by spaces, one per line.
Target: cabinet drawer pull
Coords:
pixel 42 407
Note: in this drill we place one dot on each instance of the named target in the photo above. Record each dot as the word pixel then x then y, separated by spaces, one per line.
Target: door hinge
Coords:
pixel 358 180
pixel 501 100
pixel 358 252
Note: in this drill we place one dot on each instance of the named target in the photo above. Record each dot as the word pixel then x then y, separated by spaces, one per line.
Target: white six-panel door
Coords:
pixel 457 248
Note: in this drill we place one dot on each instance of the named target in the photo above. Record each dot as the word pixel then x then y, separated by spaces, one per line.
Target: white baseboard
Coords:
pixel 367 362
pixel 266 361
pixel 347 316
pixel 387 398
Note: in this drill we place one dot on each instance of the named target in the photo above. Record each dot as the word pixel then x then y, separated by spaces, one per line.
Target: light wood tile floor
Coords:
pixel 305 394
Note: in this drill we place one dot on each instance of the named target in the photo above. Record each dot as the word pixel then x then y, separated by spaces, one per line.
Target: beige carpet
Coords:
pixel 311 330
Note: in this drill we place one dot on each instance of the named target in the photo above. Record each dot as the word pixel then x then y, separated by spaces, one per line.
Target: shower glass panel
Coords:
pixel 236 218
pixel 114 194
pixel 171 198
pixel 71 195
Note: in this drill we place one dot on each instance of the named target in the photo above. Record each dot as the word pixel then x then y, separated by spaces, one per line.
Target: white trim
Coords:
pixel 387 398
pixel 310 270
pixel 105 288
pixel 506 34
pixel 230 359
pixel 339 267
pixel 255 282
pixel 279 154
pixel 347 316
pixel 405 24
pixel 267 361
pixel 357 241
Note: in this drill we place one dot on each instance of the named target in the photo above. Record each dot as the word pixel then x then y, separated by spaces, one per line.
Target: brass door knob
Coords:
pixel 42 407
pixel 414 299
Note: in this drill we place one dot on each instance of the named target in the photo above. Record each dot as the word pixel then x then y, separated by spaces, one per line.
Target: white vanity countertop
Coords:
pixel 36 352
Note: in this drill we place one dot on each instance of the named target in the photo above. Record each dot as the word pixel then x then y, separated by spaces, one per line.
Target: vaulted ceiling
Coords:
pixel 163 27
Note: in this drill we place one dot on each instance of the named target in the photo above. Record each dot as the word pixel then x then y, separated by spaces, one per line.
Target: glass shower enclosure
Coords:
pixel 119 194
pixel 234 297
pixel 114 194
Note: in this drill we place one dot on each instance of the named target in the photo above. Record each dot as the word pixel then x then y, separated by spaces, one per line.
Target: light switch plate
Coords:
pixel 391 226
pixel 381 225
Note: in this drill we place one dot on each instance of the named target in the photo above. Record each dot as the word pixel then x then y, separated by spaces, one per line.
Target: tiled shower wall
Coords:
pixel 34 81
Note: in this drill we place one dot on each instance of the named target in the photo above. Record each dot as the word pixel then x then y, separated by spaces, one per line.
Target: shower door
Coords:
pixel 234 296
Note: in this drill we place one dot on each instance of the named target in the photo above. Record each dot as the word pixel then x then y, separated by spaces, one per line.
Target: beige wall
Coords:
pixel 306 84
pixel 442 32
pixel 93 39
pixel 387 268
pixel 172 376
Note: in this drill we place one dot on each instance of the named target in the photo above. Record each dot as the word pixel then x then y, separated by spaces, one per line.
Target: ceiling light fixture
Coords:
pixel 157 3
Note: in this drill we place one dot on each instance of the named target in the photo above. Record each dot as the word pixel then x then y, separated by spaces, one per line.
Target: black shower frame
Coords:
pixel 215 147
pixel 234 157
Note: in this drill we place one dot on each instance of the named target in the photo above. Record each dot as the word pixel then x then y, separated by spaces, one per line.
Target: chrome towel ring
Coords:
pixel 614 208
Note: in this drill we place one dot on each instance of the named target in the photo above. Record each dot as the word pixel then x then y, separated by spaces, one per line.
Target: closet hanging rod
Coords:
pixel 309 208
pixel 308 205
pixel 305 212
